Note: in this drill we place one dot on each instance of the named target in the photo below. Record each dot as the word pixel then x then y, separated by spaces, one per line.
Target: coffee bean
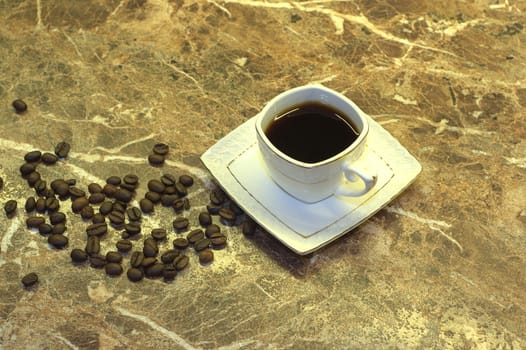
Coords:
pixel 128 187
pixel 32 178
pixel 227 215
pixel 146 205
pixel 150 241
pixel 62 149
pixel 170 190
pixel 169 256
pixel 161 148
pixel 156 159
pixel 181 190
pixel 131 179
pixel 40 205
pixel 57 217
pixel 59 228
pixel 195 235
pixel 134 274
pixel 150 251
pixel 169 272
pixel 217 197
pixel 97 229
pixel 204 219
pixel 180 243
pixel 124 245
pixel 249 227
pixel 218 240
pixel 159 234
pixel 71 182
pixel 148 261
pixel 178 206
pixel 45 229
pixel 59 241
pixel 168 180
pixel 97 198
pixel 19 105
pixel 76 192
pixel 33 156
pixel 92 245
pixel 87 212
pixel 52 204
pixel 94 188
pixel 125 235
pixel 116 217
pixel 10 208
pixel 154 197
pixel 134 214
pixel 235 208
pixel 211 229
pixel 78 204
pixel 114 180
pixel 78 255
pixel 156 270
pixel 136 259
pixel 180 223
pixel 213 209
pixel 186 180
pixel 30 205
pixel 49 158
pixel 123 195
pixel 168 200
pixel 113 269
pixel 109 190
pixel 181 262
pixel 206 256
pixel 98 219
pixel 202 244
pixel 132 228
pixel 35 221
pixel 48 193
pixel 60 187
pixel 30 279
pixel 97 261
pixel 113 257
pixel 156 186
pixel 40 186
pixel 106 208
pixel 26 169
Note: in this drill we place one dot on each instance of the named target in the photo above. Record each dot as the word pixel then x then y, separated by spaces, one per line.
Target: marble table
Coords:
pixel 443 266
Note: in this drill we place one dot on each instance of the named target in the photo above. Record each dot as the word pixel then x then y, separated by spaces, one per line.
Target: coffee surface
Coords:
pixel 311 133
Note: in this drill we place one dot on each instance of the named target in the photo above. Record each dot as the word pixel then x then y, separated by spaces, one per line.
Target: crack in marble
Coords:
pixel 222 8
pixel 65 341
pixel 96 119
pixel 119 148
pixel 169 334
pixel 180 71
pixel 264 291
pixel 6 239
pixel 72 42
pixel 38 26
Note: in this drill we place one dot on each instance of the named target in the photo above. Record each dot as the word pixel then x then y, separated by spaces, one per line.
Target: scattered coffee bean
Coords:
pixel 113 257
pixel 109 190
pixel 35 221
pixel 33 156
pixel 113 269
pixel 52 204
pixel 148 261
pixel 213 209
pixel 78 255
pixel 154 197
pixel 40 187
pixel 62 149
pixel 131 179
pixel 134 274
pixel 159 234
pixel 97 261
pixel 132 228
pixel 206 256
pixel 40 205
pixel 30 205
pixel 94 188
pixel 156 159
pixel 71 182
pixel 227 214
pixel 116 217
pixel 180 224
pixel 87 212
pixel 76 192
pixel 97 229
pixel 19 105
pixel 170 190
pixel 195 235
pixel 180 243
pixel 249 227
pixel 181 262
pixel 106 208
pixel 48 193
pixel 57 217
pixel 168 180
pixel 211 229
pixel 60 187
pixel 202 244
pixel 204 219
pixel 156 270
pixel 124 245
pixel 169 272
pixel 123 195
pixel 146 205
pixel 1 183
pixel 98 219
pixel 26 169
pixel 10 208
pixel 49 158
pixel 178 206
pixel 235 208
pixel 150 250
pixel 217 197
pixel 181 190
pixel 32 178
pixel 59 228
pixel 114 180
pixel 78 204
pixel 156 186
pixel 169 256
pixel 134 214
pixel 57 240
pixel 186 180
pixel 30 279
pixel 92 245
pixel 136 259
pixel 45 229
pixel 218 240
pixel 161 148
pixel 97 198
pixel 168 200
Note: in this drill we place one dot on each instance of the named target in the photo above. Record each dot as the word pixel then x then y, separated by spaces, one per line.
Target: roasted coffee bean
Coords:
pixel 33 156
pixel 169 256
pixel 59 241
pixel 98 219
pixel 218 197
pixel 116 217
pixel 125 235
pixel 35 221
pixel 124 245
pixel 150 241
pixel 148 261
pixel 97 261
pixel 113 269
pixel 206 256
pixel 40 205
pixel 134 214
pixel 97 198
pixel 168 200
pixel 113 257
pixel 30 205
pixel 57 217
pixel 97 229
pixel 10 207
pixel 78 204
pixel 202 244
pixel 213 209
pixel 59 228
pixel 52 204
pixel 180 223
pixel 168 180
pixel 49 158
pixel 78 255
pixel 181 262
pixel 71 182
pixel 40 186
pixel 30 279
pixel 109 190
pixel 227 215
pixel 45 229
pixel 170 190
pixel 114 180
pixel 159 234
pixel 132 228
pixel 92 245
pixel 156 159
pixel 211 229
pixel 106 208
pixel 180 243
pixel 161 148
pixel 119 206
pixel 48 193
pixel 60 187
pixel 19 105
pixel 181 190
pixel 204 219
pixel 33 178
pixel 134 274
pixel 218 240
pixel 146 205
pixel 128 187
pixel 156 270
pixel 136 259
pixel 249 227
pixel 150 251
pixel 123 195
pixel 186 180
pixel 169 272
pixel 195 235
pixel 62 149
pixel 154 197
pixel 235 208
pixel 131 179
pixel 94 188
pixel 178 206
pixel 87 212
pixel 26 169
pixel 76 192
pixel 156 186
pixel 1 183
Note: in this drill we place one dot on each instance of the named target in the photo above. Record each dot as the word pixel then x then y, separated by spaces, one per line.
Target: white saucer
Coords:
pixel 236 164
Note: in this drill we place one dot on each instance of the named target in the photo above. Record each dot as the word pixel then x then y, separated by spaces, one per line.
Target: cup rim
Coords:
pixel 359 140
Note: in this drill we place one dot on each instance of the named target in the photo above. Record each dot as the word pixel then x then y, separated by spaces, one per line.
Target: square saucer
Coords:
pixel 236 164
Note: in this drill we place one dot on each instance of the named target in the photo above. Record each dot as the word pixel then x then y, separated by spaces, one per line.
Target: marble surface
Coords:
pixel 443 266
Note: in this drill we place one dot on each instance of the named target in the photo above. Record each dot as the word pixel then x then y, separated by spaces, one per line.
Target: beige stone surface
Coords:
pixel 441 267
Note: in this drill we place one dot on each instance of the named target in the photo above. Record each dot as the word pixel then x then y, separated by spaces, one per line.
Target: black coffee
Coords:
pixel 311 133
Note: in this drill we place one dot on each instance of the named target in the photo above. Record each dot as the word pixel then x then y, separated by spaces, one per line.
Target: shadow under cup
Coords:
pixel 311 182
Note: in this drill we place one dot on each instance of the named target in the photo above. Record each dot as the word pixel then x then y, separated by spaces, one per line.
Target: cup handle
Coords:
pixel 354 174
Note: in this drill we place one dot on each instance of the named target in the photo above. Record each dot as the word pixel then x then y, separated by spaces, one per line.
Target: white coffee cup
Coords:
pixel 343 174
